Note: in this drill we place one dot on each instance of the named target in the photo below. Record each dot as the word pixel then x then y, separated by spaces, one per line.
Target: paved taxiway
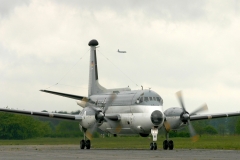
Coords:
pixel 60 152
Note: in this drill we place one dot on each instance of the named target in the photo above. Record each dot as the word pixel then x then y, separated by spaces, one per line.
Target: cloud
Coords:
pixel 171 45
pixel 7 7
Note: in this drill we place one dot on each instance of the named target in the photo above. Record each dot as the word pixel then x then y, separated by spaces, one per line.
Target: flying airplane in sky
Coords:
pixel 125 111
pixel 121 51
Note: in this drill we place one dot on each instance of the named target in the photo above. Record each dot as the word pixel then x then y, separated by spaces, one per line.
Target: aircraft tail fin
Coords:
pixel 93 85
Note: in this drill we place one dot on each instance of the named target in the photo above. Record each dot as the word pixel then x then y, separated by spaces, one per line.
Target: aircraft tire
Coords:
pixel 155 146
pixel 88 144
pixel 165 144
pixel 151 146
pixel 170 145
pixel 82 144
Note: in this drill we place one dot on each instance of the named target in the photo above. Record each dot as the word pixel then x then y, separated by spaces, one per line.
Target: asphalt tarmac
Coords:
pixel 66 152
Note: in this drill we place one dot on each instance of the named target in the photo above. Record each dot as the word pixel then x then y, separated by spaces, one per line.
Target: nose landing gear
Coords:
pixel 153 145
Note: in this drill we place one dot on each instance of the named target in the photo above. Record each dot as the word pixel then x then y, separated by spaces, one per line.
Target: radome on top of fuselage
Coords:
pixel 133 97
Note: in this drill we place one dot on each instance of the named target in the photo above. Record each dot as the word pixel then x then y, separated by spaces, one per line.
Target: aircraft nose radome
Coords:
pixel 93 42
pixel 156 117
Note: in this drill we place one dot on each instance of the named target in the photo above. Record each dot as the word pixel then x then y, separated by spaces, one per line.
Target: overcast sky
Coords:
pixel 186 45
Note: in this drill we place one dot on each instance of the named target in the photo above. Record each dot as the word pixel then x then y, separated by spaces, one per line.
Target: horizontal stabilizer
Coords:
pixel 64 94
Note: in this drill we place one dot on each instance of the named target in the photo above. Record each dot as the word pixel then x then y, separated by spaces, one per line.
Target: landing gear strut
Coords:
pixel 153 145
pixel 85 143
pixel 168 144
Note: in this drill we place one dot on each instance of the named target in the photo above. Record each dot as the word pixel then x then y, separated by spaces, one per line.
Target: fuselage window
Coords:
pixel 150 98
pixel 146 99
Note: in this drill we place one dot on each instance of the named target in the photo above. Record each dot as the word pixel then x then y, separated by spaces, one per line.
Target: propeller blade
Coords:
pixel 109 102
pixel 186 116
pixel 118 127
pixel 89 132
pixel 95 109
pixel 89 135
pixel 204 107
pixel 167 126
pixel 193 134
pixel 179 96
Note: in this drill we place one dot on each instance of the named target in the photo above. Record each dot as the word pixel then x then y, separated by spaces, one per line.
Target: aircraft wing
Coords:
pixel 64 94
pixel 43 114
pixel 212 116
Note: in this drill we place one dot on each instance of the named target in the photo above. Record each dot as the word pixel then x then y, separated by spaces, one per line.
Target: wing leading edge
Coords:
pixel 43 114
pixel 213 116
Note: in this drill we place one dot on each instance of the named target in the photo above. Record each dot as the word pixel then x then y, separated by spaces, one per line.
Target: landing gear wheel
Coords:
pixel 151 146
pixel 155 146
pixel 88 144
pixel 82 144
pixel 170 145
pixel 165 144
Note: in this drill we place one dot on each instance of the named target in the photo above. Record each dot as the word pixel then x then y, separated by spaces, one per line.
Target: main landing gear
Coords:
pixel 85 143
pixel 168 144
pixel 153 145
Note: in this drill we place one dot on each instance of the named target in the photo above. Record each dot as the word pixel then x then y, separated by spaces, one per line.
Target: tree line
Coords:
pixel 15 126
pixel 220 126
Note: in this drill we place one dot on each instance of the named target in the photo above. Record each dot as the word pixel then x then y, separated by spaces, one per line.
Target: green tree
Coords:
pixel 200 125
pixel 231 124
pixel 13 126
pixel 237 127
pixel 222 129
pixel 210 130
pixel 68 129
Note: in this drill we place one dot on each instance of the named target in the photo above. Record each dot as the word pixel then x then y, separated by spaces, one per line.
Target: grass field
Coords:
pixel 205 142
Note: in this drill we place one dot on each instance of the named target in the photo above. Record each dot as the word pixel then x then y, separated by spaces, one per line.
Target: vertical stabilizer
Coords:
pixel 93 86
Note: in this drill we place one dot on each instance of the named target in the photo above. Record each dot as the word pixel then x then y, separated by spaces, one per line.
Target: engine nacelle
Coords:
pixel 174 118
pixel 143 135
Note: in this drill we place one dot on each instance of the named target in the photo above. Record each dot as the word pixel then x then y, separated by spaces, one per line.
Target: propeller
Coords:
pixel 185 116
pixel 100 116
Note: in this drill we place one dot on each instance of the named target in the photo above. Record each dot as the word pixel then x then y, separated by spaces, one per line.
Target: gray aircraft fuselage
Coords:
pixel 134 107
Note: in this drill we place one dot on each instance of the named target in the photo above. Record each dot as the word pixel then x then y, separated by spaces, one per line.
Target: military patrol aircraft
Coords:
pixel 121 51
pixel 125 111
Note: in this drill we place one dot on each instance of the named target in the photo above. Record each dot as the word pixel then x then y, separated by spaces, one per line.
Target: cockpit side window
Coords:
pixel 158 99
pixel 146 99
pixel 150 98
pixel 154 98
